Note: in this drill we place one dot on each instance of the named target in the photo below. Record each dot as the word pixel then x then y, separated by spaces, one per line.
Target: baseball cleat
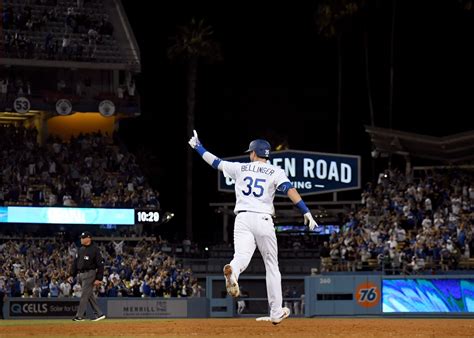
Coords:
pixel 230 282
pixel 78 319
pixel 286 314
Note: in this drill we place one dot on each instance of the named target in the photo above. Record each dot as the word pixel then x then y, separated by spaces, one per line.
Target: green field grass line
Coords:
pixel 27 322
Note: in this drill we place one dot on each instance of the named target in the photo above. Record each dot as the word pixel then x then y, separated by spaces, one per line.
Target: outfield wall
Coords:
pixel 31 308
pixel 324 295
pixel 420 295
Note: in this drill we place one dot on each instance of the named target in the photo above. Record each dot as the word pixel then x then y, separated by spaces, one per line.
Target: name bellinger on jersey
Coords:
pixel 257 169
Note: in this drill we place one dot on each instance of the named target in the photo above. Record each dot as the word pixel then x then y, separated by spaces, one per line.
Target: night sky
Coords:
pixel 278 80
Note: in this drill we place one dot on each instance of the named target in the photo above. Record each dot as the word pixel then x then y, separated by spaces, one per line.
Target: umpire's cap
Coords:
pixel 261 148
pixel 86 234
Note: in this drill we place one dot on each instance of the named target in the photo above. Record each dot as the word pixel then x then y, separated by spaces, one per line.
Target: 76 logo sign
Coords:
pixel 367 294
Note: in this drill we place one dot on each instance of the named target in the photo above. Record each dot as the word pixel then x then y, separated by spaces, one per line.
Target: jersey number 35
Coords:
pixel 256 186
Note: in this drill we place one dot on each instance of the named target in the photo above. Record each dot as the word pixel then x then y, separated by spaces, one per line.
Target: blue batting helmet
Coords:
pixel 261 148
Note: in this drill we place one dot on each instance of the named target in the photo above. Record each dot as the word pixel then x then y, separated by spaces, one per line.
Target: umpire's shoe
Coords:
pixel 78 319
pixel 231 282
pixel 96 319
pixel 286 314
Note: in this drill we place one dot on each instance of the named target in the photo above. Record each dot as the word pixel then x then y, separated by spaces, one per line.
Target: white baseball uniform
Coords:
pixel 255 187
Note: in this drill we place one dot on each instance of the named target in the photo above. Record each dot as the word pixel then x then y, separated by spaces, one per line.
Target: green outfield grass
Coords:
pixel 90 328
pixel 21 322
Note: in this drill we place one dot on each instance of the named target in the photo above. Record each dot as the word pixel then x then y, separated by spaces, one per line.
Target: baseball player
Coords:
pixel 255 186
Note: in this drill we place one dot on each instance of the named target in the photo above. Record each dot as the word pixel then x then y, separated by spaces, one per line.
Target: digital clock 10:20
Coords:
pixel 148 216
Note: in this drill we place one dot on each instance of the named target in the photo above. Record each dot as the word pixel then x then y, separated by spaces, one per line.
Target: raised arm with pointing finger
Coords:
pixel 287 187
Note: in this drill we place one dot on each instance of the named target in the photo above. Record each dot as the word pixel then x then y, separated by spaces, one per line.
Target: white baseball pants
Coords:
pixel 253 230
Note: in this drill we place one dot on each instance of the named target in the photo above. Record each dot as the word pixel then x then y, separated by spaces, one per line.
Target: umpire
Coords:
pixel 3 299
pixel 89 267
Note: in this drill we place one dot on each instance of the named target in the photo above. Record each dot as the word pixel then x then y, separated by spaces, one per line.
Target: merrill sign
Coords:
pixel 140 308
pixel 311 173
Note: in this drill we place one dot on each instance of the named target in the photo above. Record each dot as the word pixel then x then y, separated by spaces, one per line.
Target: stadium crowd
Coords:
pixel 407 225
pixel 46 29
pixel 40 268
pixel 87 171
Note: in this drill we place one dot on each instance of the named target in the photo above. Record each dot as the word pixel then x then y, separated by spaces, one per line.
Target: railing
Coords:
pixel 342 265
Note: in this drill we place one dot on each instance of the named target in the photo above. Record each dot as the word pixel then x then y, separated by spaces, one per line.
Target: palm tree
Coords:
pixel 367 79
pixel 332 20
pixel 365 20
pixel 190 44
pixel 392 71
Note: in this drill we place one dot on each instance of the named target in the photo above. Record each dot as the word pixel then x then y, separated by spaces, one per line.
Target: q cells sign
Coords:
pixel 43 308
pixel 310 173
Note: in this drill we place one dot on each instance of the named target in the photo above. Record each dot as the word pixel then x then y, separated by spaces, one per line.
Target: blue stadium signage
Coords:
pixel 311 173
pixel 62 215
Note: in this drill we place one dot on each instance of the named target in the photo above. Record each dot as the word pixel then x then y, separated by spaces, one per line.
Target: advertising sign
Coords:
pixel 156 308
pixel 63 215
pixel 311 173
pixel 453 295
pixel 42 308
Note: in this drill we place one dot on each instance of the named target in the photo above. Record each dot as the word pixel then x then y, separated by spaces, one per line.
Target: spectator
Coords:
pixel 65 289
pixel 54 288
pixel 197 290
pixel 36 291
pixel 131 89
pixel 118 247
pixel 325 257
pixel 120 92
pixel 77 290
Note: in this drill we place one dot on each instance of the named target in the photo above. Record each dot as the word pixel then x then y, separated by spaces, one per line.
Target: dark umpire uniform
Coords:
pixel 89 267
pixel 3 298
